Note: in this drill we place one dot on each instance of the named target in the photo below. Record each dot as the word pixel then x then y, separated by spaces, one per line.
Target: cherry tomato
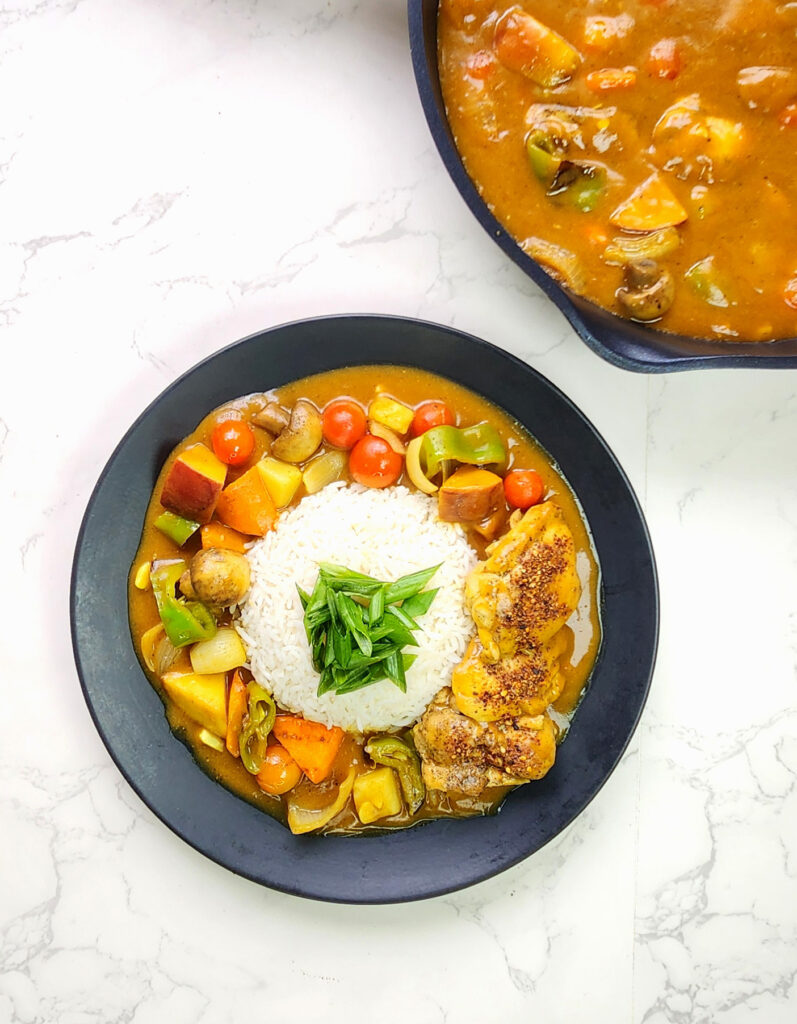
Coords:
pixel 279 772
pixel 373 462
pixel 343 423
pixel 523 488
pixel 233 441
pixel 431 414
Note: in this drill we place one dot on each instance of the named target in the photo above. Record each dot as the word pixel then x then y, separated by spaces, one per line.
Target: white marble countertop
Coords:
pixel 174 175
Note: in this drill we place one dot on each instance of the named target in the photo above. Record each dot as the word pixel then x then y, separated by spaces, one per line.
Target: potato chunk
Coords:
pixel 202 697
pixel 377 795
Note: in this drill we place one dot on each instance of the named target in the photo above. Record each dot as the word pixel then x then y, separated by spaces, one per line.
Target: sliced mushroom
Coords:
pixel 219 577
pixel 272 417
pixel 301 438
pixel 648 291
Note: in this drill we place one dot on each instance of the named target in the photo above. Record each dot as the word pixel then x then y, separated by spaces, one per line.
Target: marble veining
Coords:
pixel 173 176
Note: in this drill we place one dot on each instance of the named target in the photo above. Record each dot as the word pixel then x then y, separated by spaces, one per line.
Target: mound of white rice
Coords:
pixel 385 533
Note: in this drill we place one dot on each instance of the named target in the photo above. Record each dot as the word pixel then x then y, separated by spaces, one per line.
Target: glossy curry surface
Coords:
pixel 412 387
pixel 703 95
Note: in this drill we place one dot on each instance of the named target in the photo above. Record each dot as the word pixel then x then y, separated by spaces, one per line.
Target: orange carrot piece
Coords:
pixel 237 704
pixel 607 79
pixel 665 59
pixel 312 746
pixel 788 116
pixel 216 535
pixel 246 504
pixel 790 292
pixel 525 45
pixel 480 66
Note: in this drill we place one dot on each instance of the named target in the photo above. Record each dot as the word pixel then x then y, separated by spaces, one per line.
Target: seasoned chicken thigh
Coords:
pixel 528 586
pixel 522 683
pixel 464 756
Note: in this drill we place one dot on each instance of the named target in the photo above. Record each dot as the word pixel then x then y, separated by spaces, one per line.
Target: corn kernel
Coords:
pixel 141 579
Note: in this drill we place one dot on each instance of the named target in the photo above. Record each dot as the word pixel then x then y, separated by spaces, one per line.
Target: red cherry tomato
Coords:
pixel 373 462
pixel 431 414
pixel 343 423
pixel 233 441
pixel 523 488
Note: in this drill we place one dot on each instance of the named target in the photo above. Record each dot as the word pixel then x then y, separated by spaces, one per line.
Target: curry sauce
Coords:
pixel 412 387
pixel 602 134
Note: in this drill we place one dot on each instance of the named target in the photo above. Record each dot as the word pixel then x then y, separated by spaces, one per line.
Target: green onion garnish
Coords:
pixel 357 627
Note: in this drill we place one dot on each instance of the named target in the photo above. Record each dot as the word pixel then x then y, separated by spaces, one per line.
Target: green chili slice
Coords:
pixel 396 754
pixel 256 726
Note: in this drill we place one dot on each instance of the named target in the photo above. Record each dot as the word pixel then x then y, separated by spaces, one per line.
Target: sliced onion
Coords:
pixel 380 430
pixel 210 739
pixel 414 471
pixel 627 248
pixel 223 652
pixel 323 471
pixel 306 819
pixel 149 641
pixel 562 265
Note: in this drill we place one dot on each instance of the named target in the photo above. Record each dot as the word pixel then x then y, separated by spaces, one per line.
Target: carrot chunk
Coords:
pixel 480 65
pixel 246 505
pixel 665 59
pixel 788 116
pixel 312 746
pixel 525 45
pixel 215 535
pixel 237 704
pixel 608 79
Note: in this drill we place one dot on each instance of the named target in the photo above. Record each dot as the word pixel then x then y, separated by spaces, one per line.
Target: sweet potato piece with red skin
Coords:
pixel 470 495
pixel 193 484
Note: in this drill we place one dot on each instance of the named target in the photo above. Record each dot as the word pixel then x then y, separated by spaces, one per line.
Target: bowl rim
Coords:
pixel 99 714
pixel 623 343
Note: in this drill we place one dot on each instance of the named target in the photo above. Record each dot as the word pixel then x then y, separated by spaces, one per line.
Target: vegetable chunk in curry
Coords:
pixel 641 151
pixel 528 611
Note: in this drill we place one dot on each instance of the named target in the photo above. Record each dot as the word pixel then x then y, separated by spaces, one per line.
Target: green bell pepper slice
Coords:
pixel 541 151
pixel 396 754
pixel 479 445
pixel 579 185
pixel 185 622
pixel 175 527
pixel 257 725
pixel 708 282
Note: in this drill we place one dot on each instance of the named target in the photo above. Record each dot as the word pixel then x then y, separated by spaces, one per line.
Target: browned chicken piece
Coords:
pixel 523 683
pixel 528 587
pixel 464 756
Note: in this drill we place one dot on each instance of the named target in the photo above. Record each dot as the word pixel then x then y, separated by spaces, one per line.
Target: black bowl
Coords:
pixel 432 858
pixel 622 342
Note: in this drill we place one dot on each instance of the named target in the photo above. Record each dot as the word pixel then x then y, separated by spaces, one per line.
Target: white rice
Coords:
pixel 385 533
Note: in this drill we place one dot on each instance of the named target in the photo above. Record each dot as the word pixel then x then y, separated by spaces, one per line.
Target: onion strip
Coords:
pixel 414 471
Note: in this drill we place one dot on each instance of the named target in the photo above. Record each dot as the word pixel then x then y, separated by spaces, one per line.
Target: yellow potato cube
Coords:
pixel 391 413
pixel 281 480
pixel 202 697
pixel 377 795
